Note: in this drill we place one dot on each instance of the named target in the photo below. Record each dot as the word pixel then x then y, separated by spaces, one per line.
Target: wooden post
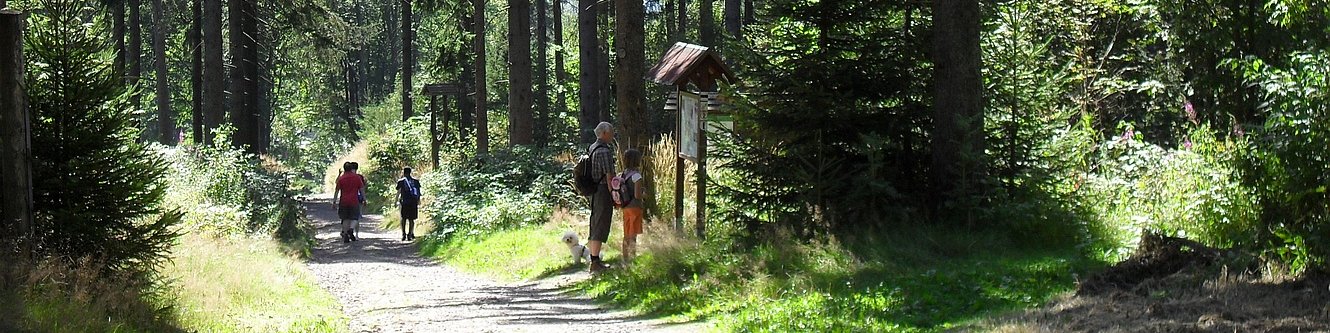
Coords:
pixel 678 166
pixel 707 95
pixel 15 144
pixel 434 130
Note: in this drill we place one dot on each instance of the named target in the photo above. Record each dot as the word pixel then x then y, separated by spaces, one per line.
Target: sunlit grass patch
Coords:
pixel 248 285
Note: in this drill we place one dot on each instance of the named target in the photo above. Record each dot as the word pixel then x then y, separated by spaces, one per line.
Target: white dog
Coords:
pixel 576 248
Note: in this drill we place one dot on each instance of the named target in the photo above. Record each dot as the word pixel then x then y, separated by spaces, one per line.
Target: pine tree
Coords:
pixel 96 188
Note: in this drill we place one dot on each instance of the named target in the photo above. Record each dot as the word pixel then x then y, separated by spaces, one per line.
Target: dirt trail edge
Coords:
pixel 385 286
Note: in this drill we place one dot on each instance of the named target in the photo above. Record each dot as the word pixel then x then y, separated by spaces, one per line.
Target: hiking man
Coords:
pixel 347 198
pixel 408 192
pixel 602 206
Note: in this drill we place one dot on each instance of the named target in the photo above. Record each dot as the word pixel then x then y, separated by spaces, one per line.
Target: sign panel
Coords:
pixel 690 116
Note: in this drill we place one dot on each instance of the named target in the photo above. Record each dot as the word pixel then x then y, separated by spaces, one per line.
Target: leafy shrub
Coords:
pixel 506 189
pixel 225 192
pixel 1287 165
pixel 399 146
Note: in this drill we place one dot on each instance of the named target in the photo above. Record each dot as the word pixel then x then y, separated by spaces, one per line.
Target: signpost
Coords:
pixel 689 120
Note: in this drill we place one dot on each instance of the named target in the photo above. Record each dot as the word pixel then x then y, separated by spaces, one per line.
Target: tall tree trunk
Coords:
pixel 408 59
pixel 16 174
pixel 465 106
pixel 750 13
pixel 238 101
pixel 214 79
pixel 561 102
pixel 732 13
pixel 519 73
pixel 135 51
pixel 165 123
pixel 958 118
pixel 253 89
pixel 630 64
pixel 392 25
pixel 668 16
pixel 542 127
pixel 482 115
pixel 196 70
pixel 603 72
pixel 588 59
pixel 706 23
pixel 683 22
pixel 118 34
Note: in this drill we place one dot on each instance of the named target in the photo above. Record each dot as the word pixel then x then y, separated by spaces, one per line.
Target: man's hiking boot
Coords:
pixel 403 237
pixel 597 266
pixel 411 236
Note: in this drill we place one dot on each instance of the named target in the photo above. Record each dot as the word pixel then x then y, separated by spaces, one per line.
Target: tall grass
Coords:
pixel 247 285
pixel 60 296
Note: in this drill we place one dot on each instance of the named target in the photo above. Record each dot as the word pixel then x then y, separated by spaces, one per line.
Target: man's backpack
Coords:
pixel 411 191
pixel 583 181
pixel 622 189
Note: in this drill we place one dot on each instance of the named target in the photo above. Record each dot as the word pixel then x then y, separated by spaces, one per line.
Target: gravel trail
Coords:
pixel 385 286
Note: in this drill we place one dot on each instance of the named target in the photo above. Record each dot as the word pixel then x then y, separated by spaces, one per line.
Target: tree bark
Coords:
pixel 196 70
pixel 135 52
pixel 15 134
pixel 165 123
pixel 214 78
pixel 682 34
pixel 542 102
pixel 604 27
pixel 588 54
pixel 750 13
pixel 561 101
pixel 706 23
pixel 630 65
pixel 238 99
pixel 408 59
pixel 958 119
pixel 519 73
pixel 732 13
pixel 118 34
pixel 482 116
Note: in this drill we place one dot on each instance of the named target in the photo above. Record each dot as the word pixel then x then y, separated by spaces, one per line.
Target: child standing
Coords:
pixel 632 212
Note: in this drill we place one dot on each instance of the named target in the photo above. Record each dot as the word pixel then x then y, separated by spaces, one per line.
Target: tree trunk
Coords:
pixel 196 70
pixel 165 123
pixel 118 35
pixel 16 201
pixel 706 23
pixel 732 13
pixel 588 54
pixel 135 52
pixel 466 107
pixel 482 116
pixel 958 119
pixel 561 101
pixel 750 13
pixel 519 73
pixel 683 22
pixel 542 128
pixel 603 72
pixel 408 59
pixel 668 16
pixel 214 78
pixel 238 103
pixel 630 64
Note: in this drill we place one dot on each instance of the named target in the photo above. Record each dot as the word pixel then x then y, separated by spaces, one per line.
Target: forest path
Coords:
pixel 384 285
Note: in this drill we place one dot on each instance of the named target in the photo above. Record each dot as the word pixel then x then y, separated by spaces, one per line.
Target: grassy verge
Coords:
pixel 510 255
pixel 247 285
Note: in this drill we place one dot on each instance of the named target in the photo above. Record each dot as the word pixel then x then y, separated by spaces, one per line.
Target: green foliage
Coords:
pixel 507 189
pixel 1287 166
pixel 97 191
pixel 831 98
pixel 225 192
pixel 525 252
pixel 403 145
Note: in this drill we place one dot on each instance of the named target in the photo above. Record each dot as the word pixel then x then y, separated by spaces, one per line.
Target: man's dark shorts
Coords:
pixel 348 212
pixel 602 209
pixel 410 212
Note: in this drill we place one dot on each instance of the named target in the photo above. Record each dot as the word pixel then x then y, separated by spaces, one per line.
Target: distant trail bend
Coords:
pixel 385 286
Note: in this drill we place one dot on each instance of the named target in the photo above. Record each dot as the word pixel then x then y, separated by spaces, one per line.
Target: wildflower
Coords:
pixel 1190 111
pixel 1187 144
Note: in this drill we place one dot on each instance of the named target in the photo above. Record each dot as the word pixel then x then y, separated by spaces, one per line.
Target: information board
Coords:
pixel 690 115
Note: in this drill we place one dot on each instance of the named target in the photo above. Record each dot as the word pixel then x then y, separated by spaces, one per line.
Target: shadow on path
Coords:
pixel 384 285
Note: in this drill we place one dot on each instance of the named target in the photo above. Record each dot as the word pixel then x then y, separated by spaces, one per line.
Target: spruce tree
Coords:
pixel 96 190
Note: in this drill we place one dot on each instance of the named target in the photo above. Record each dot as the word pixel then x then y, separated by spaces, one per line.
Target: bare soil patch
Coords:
pixel 1177 285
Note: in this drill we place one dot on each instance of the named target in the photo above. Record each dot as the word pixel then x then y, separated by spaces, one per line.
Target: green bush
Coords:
pixel 1289 164
pixel 225 192
pixel 399 146
pixel 502 190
